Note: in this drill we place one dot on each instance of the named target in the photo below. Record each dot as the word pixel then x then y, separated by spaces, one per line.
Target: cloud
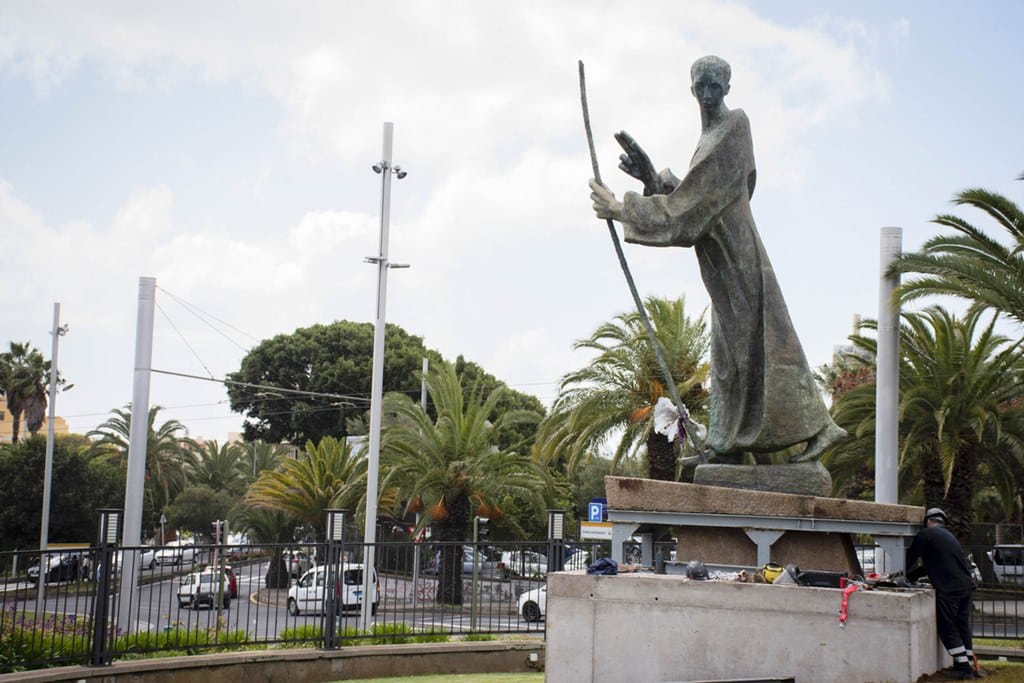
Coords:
pixel 508 264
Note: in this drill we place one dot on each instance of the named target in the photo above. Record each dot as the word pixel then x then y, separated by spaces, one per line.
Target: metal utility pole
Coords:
pixel 44 528
pixel 887 390
pixel 888 381
pixel 138 437
pixel 385 169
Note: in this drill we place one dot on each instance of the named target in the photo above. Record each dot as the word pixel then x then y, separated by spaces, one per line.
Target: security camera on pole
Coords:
pixel 385 169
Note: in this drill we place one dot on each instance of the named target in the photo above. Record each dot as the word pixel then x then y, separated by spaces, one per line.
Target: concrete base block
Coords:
pixel 647 627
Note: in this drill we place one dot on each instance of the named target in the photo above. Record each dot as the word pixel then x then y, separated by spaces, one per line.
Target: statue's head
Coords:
pixel 709 78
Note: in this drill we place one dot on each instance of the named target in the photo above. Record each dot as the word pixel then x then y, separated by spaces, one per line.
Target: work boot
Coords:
pixel 962 671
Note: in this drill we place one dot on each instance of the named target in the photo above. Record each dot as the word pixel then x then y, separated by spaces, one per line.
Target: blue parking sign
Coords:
pixel 595 512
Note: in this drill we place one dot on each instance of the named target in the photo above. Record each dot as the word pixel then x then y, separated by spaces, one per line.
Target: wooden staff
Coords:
pixel 684 414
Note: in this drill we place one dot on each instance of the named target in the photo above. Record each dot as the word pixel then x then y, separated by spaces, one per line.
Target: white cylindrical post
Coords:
pixel 138 436
pixel 887 374
pixel 376 385
pixel 44 526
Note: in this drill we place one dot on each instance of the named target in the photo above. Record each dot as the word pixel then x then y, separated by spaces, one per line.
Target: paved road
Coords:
pixel 263 614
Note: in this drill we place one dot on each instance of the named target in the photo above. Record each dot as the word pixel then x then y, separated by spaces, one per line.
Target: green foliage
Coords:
pixel 197 507
pixel 24 380
pixel 26 643
pixel 452 468
pixel 166 463
pixel 304 635
pixel 510 435
pixel 331 474
pixel 336 362
pixel 970 264
pixel 614 395
pixel 79 486
pixel 474 637
pixel 334 359
pixel 960 409
pixel 218 467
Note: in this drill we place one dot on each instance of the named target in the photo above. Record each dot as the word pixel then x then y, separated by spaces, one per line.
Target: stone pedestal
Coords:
pixel 729 526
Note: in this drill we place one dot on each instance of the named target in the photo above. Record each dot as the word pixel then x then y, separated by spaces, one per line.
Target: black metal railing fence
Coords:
pixel 269 596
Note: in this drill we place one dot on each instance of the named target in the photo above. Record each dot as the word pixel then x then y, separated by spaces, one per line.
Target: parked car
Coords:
pixel 202 588
pixel 533 604
pixel 307 594
pixel 298 562
pixel 61 566
pixel 578 559
pixel 526 563
pixel 488 561
pixel 177 552
pixel 1007 563
pixel 147 560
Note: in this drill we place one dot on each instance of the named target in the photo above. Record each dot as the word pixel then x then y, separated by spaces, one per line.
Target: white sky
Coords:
pixel 225 149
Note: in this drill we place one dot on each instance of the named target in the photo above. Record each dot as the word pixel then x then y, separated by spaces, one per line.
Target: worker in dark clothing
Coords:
pixel 943 560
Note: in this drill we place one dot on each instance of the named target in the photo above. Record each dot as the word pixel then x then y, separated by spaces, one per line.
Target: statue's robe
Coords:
pixel 763 394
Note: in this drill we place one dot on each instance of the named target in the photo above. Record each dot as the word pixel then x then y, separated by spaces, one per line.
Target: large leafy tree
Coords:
pixel 452 467
pixel 24 377
pixel 330 474
pixel 613 396
pixel 321 377
pixel 79 487
pixel 960 411
pixel 197 507
pixel 969 263
pixel 166 462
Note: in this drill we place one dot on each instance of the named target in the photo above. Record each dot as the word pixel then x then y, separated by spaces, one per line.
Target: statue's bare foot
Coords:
pixel 817 444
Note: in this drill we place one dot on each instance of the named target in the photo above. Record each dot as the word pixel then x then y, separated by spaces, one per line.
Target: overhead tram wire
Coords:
pixel 196 311
pixel 286 393
pixel 184 340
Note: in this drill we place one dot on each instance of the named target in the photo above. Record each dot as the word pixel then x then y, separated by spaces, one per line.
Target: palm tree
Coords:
pixel 331 474
pixel 260 455
pixel 452 469
pixel 615 394
pixel 219 468
pixel 166 463
pixel 24 376
pixel 960 411
pixel 273 529
pixel 969 264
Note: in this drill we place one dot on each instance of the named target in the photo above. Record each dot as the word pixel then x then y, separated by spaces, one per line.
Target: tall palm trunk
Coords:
pixel 452 532
pixel 15 409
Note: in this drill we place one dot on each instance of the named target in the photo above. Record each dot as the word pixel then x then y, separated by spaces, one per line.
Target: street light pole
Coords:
pixel 385 169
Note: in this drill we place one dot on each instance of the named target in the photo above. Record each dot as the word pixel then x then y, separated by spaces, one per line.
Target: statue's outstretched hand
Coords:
pixel 605 204
pixel 636 163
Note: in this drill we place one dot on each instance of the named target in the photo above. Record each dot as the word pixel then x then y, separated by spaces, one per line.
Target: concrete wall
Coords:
pixel 307 665
pixel 647 627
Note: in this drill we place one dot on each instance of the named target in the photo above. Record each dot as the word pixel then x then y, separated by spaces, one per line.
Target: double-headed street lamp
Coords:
pixel 386 170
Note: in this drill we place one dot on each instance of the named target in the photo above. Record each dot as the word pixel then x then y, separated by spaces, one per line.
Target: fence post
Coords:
pixel 102 636
pixel 556 535
pixel 335 543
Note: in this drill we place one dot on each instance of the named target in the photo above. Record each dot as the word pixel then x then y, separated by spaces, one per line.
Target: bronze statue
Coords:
pixel 763 394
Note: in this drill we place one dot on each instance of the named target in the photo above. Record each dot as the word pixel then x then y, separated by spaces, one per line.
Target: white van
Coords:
pixel 1008 563
pixel 307 594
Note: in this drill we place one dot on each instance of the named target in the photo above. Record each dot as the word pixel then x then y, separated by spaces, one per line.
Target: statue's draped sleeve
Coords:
pixel 721 173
